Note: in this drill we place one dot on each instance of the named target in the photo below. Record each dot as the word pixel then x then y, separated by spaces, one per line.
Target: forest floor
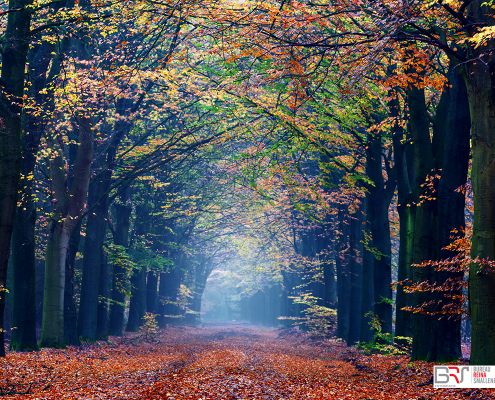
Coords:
pixel 219 362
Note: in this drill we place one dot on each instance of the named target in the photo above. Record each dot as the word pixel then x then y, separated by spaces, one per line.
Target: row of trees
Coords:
pixel 99 135
pixel 420 67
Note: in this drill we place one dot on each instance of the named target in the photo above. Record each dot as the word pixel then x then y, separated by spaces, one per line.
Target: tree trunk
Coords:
pixel 343 279
pixel 328 256
pixel 70 314
pixel 404 323
pixel 367 296
pixel 479 76
pixel 356 271
pixel 380 196
pixel 152 292
pixel 193 318
pixel 446 330
pixel 284 298
pixel 425 221
pixel 102 317
pixel 24 276
pixel 90 283
pixel 14 57
pixel 203 269
pixel 52 328
pixel 93 252
pixel 136 304
pixel 406 210
pixel 167 308
pixel 119 278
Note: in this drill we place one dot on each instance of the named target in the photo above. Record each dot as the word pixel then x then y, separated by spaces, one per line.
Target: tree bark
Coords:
pixel 356 271
pixel 425 222
pixel 380 196
pixel 446 330
pixel 327 256
pixel 70 314
pixel 137 302
pixel 102 317
pixel 93 253
pixel 119 278
pixel 406 209
pixel 52 328
pixel 152 292
pixel 367 296
pixel 343 279
pixel 24 267
pixel 480 82
pixel 404 323
pixel 14 57
pixel 167 306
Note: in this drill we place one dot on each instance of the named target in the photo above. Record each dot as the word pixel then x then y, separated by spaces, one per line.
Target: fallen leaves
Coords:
pixel 219 363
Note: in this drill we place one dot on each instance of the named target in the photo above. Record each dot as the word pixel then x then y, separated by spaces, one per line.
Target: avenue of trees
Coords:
pixel 324 163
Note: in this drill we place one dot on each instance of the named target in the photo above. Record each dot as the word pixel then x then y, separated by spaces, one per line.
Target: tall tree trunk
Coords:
pixel 169 284
pixel 273 298
pixel 356 271
pixel 480 82
pixel 404 323
pixel 102 317
pixel 52 328
pixel 68 202
pixel 327 255
pixel 93 252
pixel 194 317
pixel 202 271
pixel 159 247
pixel 284 300
pixel 24 276
pixel 70 314
pixel 446 331
pixel 152 292
pixel 367 296
pixel 425 221
pixel 137 302
pixel 482 284
pixel 380 196
pixel 343 279
pixel 70 308
pixel 14 57
pixel 406 209
pixel 119 278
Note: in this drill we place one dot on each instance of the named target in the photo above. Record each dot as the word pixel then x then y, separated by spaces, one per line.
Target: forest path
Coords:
pixel 218 362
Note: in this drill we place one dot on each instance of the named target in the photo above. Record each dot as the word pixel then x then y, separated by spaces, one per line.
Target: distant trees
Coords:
pixel 406 85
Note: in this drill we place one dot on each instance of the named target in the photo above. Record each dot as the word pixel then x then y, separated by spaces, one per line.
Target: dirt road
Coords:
pixel 218 362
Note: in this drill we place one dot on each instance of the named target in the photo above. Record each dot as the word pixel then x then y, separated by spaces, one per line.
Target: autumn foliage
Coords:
pixel 301 153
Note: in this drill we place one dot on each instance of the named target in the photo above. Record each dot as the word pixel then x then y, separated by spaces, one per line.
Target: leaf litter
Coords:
pixel 230 362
